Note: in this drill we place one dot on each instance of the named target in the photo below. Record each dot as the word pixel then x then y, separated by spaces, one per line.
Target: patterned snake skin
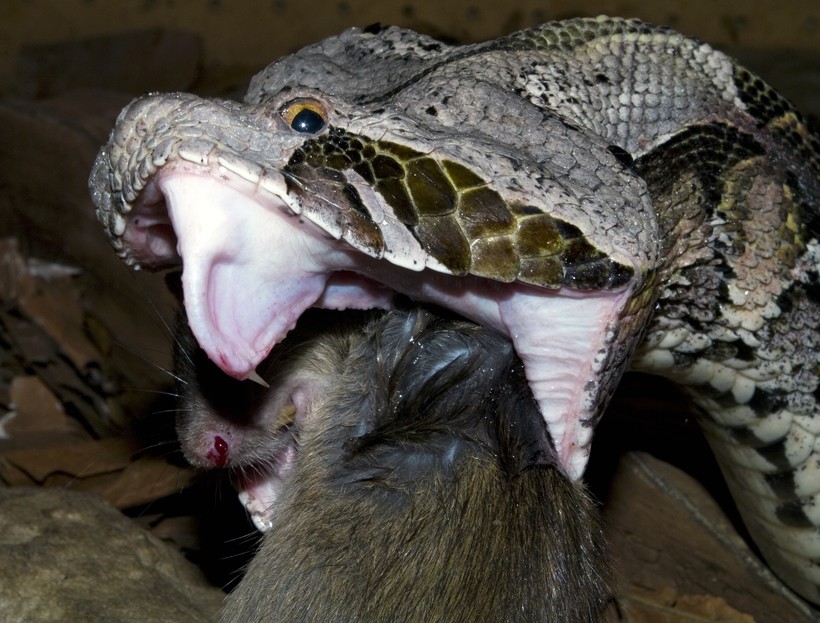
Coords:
pixel 604 192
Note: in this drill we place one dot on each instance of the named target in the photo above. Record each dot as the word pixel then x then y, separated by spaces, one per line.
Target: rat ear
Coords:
pixel 445 381
pixel 433 376
pixel 440 371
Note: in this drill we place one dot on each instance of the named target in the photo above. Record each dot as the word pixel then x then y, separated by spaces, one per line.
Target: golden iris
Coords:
pixel 305 116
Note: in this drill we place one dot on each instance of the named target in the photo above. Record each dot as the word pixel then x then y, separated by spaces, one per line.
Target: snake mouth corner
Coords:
pixel 149 239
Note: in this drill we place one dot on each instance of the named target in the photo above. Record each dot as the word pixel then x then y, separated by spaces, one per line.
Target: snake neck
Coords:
pixel 737 321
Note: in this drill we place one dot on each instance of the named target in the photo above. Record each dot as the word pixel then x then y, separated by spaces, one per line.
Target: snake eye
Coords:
pixel 305 116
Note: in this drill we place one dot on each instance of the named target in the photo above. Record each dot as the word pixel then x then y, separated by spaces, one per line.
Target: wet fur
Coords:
pixel 421 491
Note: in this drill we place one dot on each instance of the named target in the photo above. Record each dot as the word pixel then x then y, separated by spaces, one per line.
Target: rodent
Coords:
pixel 399 472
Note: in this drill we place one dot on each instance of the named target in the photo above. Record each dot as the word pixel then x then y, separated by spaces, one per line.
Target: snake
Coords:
pixel 606 193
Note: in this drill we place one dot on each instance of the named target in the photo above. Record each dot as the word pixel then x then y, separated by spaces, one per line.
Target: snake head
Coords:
pixel 330 186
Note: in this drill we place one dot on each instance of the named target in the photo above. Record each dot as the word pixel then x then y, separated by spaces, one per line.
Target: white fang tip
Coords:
pixel 254 376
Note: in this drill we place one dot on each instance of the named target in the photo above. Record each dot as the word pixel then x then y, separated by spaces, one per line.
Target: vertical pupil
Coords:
pixel 307 120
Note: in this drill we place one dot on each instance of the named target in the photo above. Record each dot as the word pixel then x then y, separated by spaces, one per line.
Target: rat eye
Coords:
pixel 306 116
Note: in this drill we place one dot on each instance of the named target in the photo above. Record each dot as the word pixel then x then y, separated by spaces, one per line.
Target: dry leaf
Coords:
pixel 55 306
pixel 15 280
pixel 37 409
pixel 182 531
pixel 146 480
pixel 75 459
pixel 664 605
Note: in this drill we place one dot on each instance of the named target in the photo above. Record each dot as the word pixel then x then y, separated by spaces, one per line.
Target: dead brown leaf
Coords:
pixel 665 605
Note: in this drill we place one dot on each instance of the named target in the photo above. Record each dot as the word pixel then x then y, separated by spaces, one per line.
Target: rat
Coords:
pixel 400 470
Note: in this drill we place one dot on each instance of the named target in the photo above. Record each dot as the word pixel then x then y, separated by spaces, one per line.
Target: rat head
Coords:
pixel 250 429
pixel 389 398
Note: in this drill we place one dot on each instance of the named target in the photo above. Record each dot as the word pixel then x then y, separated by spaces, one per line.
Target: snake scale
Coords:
pixel 607 193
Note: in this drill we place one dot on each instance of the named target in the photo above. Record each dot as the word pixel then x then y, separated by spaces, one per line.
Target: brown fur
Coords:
pixel 421 491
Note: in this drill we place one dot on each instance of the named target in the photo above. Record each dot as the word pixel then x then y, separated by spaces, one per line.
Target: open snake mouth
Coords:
pixel 257 253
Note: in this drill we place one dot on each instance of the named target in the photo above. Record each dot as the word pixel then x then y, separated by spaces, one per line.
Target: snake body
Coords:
pixel 605 192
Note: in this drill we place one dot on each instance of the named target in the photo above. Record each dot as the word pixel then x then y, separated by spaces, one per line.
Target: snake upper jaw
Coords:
pixel 251 266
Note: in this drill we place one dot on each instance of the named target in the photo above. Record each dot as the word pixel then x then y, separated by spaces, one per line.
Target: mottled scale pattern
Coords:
pixel 739 326
pixel 585 158
pixel 457 216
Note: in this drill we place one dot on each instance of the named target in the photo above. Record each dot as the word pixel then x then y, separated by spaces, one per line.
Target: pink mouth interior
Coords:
pixel 260 488
pixel 239 307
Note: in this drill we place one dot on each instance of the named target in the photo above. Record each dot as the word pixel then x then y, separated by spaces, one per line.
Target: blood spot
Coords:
pixel 218 455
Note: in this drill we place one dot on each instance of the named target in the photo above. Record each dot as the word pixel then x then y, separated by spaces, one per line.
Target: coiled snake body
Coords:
pixel 604 192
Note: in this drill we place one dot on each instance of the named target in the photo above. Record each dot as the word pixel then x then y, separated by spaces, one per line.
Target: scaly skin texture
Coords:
pixel 602 191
